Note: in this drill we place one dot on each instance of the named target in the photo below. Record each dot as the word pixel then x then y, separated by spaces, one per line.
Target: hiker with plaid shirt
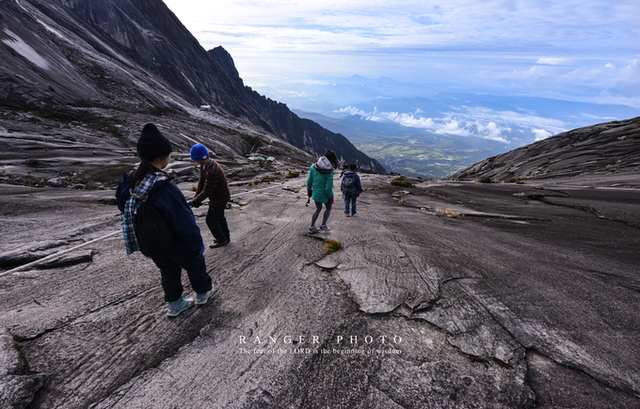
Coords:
pixel 149 183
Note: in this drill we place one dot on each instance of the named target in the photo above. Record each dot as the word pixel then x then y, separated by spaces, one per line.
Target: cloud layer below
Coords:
pixel 479 122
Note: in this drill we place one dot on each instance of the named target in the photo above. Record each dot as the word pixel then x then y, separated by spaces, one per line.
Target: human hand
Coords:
pixel 308 193
pixel 201 251
pixel 190 203
pixel 330 201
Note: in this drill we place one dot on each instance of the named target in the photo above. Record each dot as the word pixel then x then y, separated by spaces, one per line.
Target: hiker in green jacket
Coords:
pixel 320 188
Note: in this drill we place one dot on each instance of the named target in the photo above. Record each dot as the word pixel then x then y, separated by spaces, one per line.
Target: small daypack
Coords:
pixel 349 185
pixel 153 232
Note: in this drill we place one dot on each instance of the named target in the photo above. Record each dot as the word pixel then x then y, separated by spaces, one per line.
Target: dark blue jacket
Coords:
pixel 356 179
pixel 167 198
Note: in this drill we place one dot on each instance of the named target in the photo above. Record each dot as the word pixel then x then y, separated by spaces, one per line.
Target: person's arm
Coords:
pixel 200 181
pixel 310 182
pixel 122 192
pixel 174 208
pixel 358 185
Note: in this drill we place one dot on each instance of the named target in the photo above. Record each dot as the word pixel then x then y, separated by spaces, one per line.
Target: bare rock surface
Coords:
pixel 434 300
pixel 16 388
pixel 607 148
pixel 445 294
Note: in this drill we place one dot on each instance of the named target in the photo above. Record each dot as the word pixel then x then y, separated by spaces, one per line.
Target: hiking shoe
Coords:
pixel 324 227
pixel 217 244
pixel 312 229
pixel 201 299
pixel 353 215
pixel 347 215
pixel 181 304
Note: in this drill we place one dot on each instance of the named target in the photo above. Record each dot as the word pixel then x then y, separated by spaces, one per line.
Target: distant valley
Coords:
pixel 421 130
pixel 409 151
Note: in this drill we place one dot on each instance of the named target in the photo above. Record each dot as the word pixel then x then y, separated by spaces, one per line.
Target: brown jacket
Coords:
pixel 212 185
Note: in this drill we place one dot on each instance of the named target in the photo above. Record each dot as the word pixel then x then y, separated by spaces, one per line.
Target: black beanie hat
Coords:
pixel 152 143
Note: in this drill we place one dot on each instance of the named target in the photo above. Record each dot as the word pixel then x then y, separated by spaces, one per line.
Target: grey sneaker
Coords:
pixel 324 227
pixel 201 299
pixel 181 304
pixel 312 229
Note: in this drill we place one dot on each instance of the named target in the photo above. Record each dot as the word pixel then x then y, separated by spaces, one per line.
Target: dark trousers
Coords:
pixel 325 216
pixel 217 223
pixel 171 270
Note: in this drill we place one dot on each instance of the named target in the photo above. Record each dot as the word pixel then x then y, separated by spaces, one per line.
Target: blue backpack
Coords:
pixel 349 185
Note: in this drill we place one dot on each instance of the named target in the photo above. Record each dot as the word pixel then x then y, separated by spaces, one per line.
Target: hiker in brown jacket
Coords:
pixel 212 185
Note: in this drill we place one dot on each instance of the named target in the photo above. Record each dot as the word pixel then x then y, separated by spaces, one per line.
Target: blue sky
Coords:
pixel 584 51
pixel 587 50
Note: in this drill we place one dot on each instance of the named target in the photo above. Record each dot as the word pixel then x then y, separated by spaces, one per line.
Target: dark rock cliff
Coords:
pixel 135 55
pixel 305 134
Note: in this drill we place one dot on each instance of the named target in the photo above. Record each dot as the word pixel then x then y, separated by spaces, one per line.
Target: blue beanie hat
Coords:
pixel 199 152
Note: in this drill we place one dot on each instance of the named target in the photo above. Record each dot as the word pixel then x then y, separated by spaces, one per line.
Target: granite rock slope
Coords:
pixel 602 148
pixel 444 294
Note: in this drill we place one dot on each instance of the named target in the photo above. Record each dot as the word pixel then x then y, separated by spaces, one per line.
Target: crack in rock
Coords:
pixel 17 388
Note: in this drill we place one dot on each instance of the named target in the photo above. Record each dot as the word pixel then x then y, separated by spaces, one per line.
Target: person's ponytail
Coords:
pixel 144 167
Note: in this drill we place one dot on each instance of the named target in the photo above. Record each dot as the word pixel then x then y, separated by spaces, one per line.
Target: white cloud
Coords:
pixel 553 61
pixel 452 127
pixel 352 111
pixel 492 131
pixel 599 118
pixel 478 122
pixel 540 134
pixel 528 46
pixel 387 26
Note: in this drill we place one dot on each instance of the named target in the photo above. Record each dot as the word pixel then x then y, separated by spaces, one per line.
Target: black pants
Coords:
pixel 325 217
pixel 171 270
pixel 217 223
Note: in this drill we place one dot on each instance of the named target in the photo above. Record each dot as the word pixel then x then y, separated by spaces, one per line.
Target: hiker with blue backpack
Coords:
pixel 320 188
pixel 158 222
pixel 351 189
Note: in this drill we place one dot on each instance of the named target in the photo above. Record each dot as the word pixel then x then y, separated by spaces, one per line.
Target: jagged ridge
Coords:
pixel 136 55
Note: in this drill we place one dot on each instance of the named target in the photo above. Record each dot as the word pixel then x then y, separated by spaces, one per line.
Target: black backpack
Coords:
pixel 153 232
pixel 349 185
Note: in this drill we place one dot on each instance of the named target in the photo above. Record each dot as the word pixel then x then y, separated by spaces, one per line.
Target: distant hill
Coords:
pixel 607 147
pixel 136 57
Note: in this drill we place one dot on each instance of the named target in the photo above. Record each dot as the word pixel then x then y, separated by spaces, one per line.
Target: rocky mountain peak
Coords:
pixel 136 56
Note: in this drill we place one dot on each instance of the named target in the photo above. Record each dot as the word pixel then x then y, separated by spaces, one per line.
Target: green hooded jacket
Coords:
pixel 320 181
